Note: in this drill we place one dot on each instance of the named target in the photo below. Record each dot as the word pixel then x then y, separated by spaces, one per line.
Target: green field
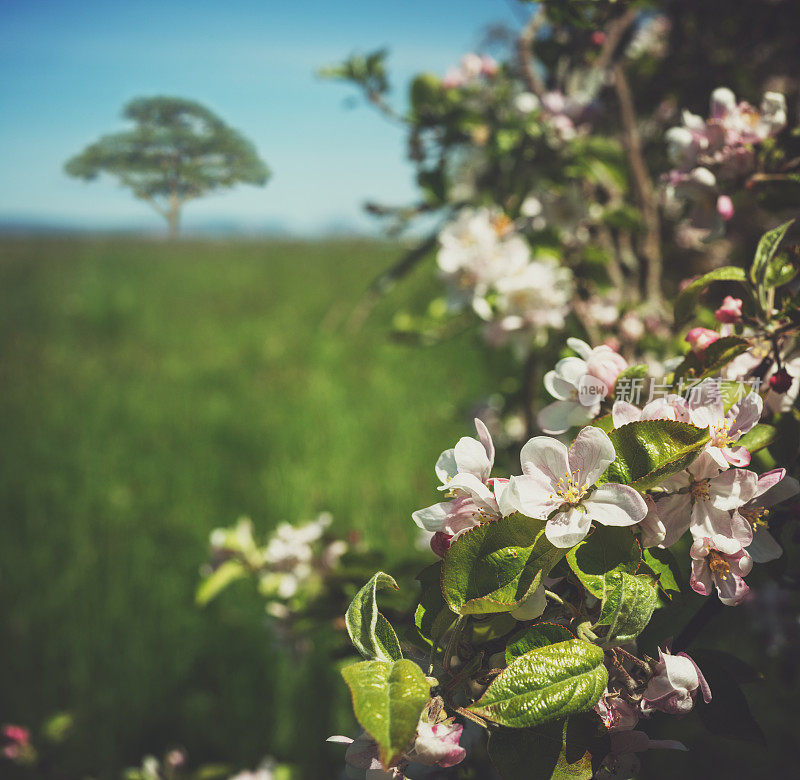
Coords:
pixel 150 392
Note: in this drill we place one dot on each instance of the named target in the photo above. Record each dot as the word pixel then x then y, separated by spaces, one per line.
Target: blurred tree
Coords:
pixel 178 151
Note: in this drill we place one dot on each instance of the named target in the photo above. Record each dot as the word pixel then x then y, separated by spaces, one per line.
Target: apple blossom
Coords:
pixel 557 484
pixel 435 744
pixel 724 570
pixel 579 384
pixel 700 338
pixel 702 499
pixel 674 686
pixel 616 713
pixel 464 472
pixel 475 250
pixel 730 311
pixel 725 207
pixel 725 429
pixel 670 407
pixel 527 103
pixel 772 488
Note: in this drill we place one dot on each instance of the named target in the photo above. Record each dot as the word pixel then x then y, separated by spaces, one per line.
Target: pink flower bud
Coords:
pixel 781 381
pixel 699 339
pixel 16 734
pixel 440 543
pixel 730 311
pixel 598 37
pixel 606 365
pixel 725 207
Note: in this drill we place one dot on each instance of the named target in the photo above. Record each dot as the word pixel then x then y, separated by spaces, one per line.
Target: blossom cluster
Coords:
pixel 288 567
pixel 470 70
pixel 722 148
pixel 721 502
pixel 488 266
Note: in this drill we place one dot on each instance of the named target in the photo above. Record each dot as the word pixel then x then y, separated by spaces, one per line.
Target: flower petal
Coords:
pixel 732 488
pixel 531 496
pixel 471 458
pixel 486 440
pixel 613 504
pixel 623 413
pixel 745 414
pixel 560 416
pixel 764 548
pixel 590 454
pixel 446 467
pixel 567 528
pixel 545 459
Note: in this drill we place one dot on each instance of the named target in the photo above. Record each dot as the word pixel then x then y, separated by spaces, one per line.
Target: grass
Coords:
pixel 150 392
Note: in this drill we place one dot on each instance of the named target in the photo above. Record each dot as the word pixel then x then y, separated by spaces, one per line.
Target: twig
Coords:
pixel 387 279
pixel 651 246
pixel 527 66
pixel 616 29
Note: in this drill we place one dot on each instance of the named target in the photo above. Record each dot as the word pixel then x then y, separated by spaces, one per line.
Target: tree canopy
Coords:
pixel 177 151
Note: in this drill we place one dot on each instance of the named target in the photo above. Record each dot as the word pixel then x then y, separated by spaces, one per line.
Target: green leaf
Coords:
pixel 605 551
pixel 546 683
pixel 758 437
pixel 627 607
pixel 663 564
pixel 716 356
pixel 388 699
pixel 370 632
pixel 604 423
pixel 534 637
pixel 765 251
pixel 649 451
pixel 780 270
pixel 687 300
pixel 218 580
pixel 554 751
pixel 639 371
pixel 496 565
pixel 433 617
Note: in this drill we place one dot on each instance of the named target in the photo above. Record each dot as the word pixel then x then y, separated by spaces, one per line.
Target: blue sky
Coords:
pixel 68 66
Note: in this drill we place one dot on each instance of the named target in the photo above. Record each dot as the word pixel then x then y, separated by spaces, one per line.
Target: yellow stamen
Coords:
pixel 569 488
pixel 502 225
pixel 718 565
pixel 755 515
pixel 720 433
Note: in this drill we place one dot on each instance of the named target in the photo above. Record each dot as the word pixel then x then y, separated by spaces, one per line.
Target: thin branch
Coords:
pixel 525 59
pixel 614 33
pixel 645 192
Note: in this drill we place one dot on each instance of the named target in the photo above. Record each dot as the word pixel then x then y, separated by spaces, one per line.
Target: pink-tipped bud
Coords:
pixel 699 339
pixel 730 311
pixel 781 381
pixel 16 734
pixel 440 543
pixel 598 37
pixel 725 207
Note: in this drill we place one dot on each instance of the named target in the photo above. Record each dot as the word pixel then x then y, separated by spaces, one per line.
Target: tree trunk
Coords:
pixel 174 215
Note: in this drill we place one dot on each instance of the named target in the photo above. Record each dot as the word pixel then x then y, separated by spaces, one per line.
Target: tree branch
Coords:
pixel 525 59
pixel 645 192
